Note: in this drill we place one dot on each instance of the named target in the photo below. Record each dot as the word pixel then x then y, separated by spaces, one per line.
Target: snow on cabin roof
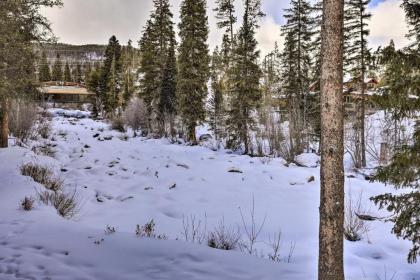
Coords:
pixel 70 90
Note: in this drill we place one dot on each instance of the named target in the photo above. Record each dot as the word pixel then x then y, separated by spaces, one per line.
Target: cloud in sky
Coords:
pixel 94 21
pixel 388 22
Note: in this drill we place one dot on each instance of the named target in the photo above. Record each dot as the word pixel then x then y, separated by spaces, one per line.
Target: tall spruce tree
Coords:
pixel 57 71
pixel 78 73
pixel 412 12
pixel 356 54
pixel 216 112
pixel 44 69
pixel 244 79
pixel 193 65
pixel 401 97
pixel 296 73
pixel 110 82
pixel 158 67
pixel 67 73
pixel 225 13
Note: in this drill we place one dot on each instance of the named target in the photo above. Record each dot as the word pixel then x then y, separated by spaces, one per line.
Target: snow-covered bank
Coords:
pixel 124 183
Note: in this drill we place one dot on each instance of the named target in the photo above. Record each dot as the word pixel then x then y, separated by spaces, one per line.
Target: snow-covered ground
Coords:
pixel 125 182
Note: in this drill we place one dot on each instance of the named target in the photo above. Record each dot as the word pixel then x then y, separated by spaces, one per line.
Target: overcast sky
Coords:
pixel 94 21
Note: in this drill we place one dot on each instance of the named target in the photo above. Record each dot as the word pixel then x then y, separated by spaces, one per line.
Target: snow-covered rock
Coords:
pixel 308 160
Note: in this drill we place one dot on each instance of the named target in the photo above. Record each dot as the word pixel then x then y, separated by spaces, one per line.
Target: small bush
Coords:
pixel 110 230
pixel 45 150
pixel 44 129
pixel 135 115
pixel 148 230
pixel 66 204
pixel 117 123
pixel 22 118
pixel 42 175
pixel 27 203
pixel 354 227
pixel 224 238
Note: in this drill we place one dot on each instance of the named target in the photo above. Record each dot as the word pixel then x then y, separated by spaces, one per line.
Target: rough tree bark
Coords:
pixel 4 131
pixel 332 146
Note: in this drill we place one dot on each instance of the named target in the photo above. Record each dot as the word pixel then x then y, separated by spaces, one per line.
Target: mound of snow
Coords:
pixel 69 113
pixel 308 160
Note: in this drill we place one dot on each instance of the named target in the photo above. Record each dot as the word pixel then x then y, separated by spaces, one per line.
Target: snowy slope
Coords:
pixel 124 183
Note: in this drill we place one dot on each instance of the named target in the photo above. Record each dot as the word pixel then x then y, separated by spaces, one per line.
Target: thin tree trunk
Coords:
pixel 362 84
pixel 331 210
pixel 4 132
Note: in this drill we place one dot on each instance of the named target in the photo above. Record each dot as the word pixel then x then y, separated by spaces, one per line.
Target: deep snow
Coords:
pixel 124 183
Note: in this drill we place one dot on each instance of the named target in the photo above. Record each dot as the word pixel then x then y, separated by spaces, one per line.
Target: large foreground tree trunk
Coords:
pixel 332 147
pixel 4 131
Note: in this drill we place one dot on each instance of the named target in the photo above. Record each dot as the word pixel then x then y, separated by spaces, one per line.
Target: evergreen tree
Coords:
pixel 67 73
pixel 225 13
pixel 57 71
pixel 158 70
pixel 296 72
pixel 356 54
pixel 193 65
pixel 78 74
pixel 93 84
pixel 244 78
pixel 110 82
pixel 44 69
pixel 412 11
pixel 167 104
pixel 128 69
pixel 216 110
pixel 401 96
pixel 87 68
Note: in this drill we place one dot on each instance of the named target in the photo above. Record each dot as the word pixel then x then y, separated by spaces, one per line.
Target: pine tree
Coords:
pixel 110 82
pixel 193 65
pixel 356 54
pixel 78 74
pixel 296 73
pixel 57 71
pixel 44 69
pixel 67 73
pixel 216 110
pixel 244 79
pixel 128 69
pixel 401 97
pixel 225 13
pixel 167 104
pixel 412 11
pixel 158 70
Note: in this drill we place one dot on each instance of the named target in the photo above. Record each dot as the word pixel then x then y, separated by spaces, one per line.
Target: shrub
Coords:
pixel 135 115
pixel 110 230
pixel 27 203
pixel 42 175
pixel 66 204
pixel 354 227
pixel 148 230
pixel 22 118
pixel 117 123
pixel 195 231
pixel 224 238
pixel 44 129
pixel 45 150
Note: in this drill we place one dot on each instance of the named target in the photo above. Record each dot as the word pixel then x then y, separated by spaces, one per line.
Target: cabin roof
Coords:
pixel 64 88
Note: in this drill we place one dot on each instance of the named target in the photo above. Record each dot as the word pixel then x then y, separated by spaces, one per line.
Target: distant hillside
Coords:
pixel 73 53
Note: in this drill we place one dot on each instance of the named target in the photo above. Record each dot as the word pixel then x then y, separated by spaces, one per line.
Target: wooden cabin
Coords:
pixel 64 92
